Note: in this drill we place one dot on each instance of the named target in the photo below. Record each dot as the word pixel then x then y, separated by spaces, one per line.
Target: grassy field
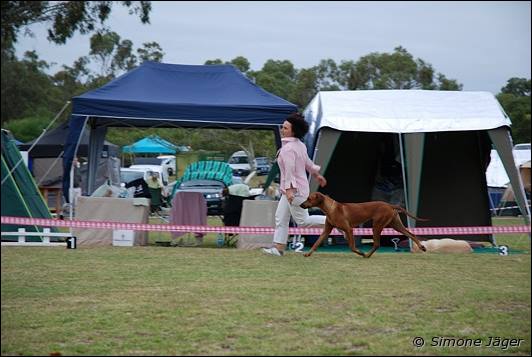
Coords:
pixel 221 301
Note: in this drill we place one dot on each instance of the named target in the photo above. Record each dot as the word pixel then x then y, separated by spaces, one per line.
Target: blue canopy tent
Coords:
pixel 168 95
pixel 150 145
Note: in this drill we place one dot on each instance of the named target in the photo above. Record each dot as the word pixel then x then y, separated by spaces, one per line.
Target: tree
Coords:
pixel 277 77
pixel 116 56
pixel 327 75
pixel 425 76
pixel 102 48
pixel 214 61
pixel 239 62
pixel 29 95
pixel 26 89
pixel 517 86
pixel 227 141
pixel 70 79
pixel 515 100
pixel 306 87
pixel 124 59
pixel 447 84
pixel 150 51
pixel 398 70
pixel 64 17
pixel 260 142
pixel 28 128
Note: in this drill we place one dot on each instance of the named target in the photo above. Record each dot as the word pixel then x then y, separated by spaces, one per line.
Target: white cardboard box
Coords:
pixel 123 238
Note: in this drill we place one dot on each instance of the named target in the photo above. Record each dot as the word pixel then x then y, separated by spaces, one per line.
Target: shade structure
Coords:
pixel 150 145
pixel 173 95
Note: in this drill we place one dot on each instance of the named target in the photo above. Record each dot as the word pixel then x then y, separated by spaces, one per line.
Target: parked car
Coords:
pixel 521 153
pixel 239 163
pixel 212 191
pixel 524 146
pixel 262 165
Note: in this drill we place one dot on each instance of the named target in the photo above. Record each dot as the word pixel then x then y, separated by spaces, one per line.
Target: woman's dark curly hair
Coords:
pixel 299 125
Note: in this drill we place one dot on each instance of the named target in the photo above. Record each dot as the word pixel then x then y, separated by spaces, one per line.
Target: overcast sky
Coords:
pixel 480 44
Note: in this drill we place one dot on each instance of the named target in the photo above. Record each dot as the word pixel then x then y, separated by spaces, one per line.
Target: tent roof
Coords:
pixel 405 111
pixel 151 144
pixel 184 94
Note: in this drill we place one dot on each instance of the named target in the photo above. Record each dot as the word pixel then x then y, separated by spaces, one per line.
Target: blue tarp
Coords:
pixel 150 145
pixel 159 94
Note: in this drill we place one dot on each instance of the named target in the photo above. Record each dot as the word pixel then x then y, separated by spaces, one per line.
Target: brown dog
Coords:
pixel 346 216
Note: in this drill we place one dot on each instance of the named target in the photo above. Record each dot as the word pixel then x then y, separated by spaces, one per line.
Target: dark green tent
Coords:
pixel 20 195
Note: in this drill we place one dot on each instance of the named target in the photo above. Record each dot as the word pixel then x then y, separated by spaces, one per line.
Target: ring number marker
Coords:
pixel 503 250
pixel 297 244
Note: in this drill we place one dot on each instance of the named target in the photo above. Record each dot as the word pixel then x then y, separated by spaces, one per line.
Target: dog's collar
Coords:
pixel 330 206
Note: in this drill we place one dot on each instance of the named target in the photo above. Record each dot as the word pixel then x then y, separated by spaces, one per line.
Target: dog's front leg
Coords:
pixel 326 231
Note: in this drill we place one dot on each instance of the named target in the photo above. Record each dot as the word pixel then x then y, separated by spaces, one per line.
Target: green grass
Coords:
pixel 212 301
pixel 514 241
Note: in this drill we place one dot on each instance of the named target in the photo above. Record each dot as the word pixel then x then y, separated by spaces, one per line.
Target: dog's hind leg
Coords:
pixel 399 227
pixel 376 240
pixel 351 241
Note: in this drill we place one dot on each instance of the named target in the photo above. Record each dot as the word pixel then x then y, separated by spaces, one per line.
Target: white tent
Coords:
pixel 496 174
pixel 440 141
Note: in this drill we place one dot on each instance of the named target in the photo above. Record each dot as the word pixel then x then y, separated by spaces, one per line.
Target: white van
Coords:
pixel 128 174
pixel 163 174
pixel 239 162
pixel 167 162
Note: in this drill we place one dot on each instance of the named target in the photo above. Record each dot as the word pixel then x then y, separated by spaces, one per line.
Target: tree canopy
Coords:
pixel 64 17
pixel 515 99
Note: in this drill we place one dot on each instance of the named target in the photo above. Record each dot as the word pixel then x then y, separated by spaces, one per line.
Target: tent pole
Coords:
pixel 71 185
pixel 71 194
pixel 96 141
pixel 277 133
pixel 502 140
pixel 405 186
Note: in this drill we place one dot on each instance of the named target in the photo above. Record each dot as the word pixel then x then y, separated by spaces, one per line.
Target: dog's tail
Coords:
pixel 401 209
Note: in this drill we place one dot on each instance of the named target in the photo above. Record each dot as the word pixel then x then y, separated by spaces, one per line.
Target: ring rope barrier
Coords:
pixel 427 231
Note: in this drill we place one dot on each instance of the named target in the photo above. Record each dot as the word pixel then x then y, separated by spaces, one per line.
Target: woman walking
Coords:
pixel 293 163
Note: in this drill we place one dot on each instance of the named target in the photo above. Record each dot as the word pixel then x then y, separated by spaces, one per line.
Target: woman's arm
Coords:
pixel 315 171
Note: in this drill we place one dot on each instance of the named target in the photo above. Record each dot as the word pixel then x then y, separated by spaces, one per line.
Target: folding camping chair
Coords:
pixel 232 210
